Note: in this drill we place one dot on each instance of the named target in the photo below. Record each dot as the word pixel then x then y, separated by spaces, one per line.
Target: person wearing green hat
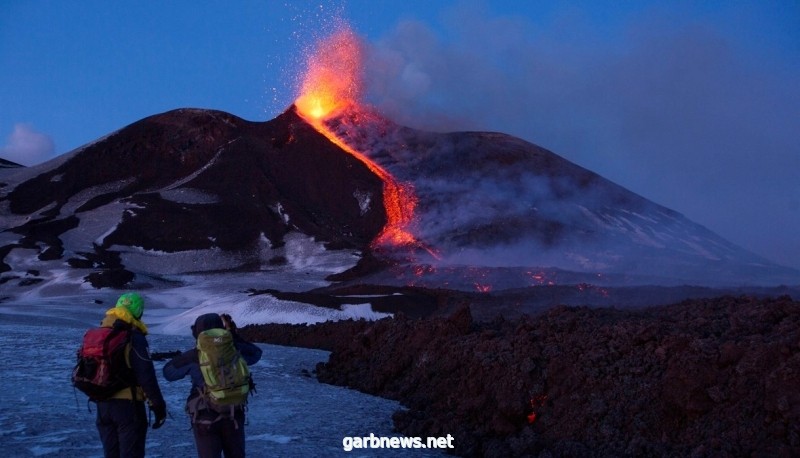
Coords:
pixel 122 420
pixel 133 302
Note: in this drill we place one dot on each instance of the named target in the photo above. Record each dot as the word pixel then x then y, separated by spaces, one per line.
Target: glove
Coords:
pixel 227 321
pixel 160 411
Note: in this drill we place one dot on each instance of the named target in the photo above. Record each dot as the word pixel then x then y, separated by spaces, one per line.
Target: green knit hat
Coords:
pixel 133 302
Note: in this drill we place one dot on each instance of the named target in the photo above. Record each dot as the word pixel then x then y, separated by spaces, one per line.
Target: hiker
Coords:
pixel 216 430
pixel 122 420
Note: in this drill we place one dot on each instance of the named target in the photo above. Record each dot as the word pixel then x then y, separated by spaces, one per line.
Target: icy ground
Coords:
pixel 292 415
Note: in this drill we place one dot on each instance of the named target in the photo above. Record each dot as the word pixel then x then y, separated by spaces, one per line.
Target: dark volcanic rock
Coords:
pixel 324 336
pixel 700 378
pixel 197 179
pixel 6 164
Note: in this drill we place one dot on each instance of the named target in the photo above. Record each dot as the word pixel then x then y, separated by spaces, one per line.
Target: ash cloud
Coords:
pixel 26 146
pixel 681 113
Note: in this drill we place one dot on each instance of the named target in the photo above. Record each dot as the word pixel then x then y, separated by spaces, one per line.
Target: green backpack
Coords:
pixel 225 372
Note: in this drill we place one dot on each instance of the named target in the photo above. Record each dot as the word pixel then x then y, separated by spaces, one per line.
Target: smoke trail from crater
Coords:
pixel 687 114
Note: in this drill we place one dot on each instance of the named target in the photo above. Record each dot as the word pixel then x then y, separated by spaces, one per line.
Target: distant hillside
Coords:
pixel 6 164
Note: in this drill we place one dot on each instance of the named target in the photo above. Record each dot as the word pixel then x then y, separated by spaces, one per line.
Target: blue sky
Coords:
pixel 694 105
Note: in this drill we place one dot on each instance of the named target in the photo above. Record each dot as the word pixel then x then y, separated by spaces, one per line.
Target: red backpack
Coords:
pixel 102 369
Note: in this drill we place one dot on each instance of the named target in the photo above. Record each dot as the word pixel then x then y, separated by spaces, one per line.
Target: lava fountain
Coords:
pixel 332 84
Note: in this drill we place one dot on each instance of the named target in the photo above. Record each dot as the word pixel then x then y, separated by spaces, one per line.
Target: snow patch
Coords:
pixel 279 210
pixel 304 253
pixel 364 198
pixel 272 438
pixel 189 196
pixel 13 220
pixel 156 262
pixel 202 169
pixel 698 248
pixel 95 226
pixel 363 311
pixel 256 310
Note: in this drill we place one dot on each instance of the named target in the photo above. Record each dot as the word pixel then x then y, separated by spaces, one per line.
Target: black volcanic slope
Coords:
pixel 258 176
pixel 6 164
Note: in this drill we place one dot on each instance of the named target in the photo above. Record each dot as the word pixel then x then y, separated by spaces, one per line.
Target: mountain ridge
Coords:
pixel 206 181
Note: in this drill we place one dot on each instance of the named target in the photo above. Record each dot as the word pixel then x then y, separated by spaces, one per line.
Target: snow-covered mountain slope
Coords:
pixel 202 191
pixel 490 199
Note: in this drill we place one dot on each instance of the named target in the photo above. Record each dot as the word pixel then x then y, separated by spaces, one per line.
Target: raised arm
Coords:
pixel 180 366
pixel 250 352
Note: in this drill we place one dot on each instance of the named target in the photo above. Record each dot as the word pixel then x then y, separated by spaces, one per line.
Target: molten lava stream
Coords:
pixel 399 200
pixel 331 85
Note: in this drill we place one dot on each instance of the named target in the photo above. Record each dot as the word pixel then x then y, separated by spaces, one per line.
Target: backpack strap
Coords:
pixel 114 331
pixel 117 328
pixel 201 403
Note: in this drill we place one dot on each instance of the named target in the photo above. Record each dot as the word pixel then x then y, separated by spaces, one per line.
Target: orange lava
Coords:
pixel 332 83
pixel 333 76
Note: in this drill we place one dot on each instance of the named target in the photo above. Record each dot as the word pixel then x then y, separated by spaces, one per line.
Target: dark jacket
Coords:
pixel 142 366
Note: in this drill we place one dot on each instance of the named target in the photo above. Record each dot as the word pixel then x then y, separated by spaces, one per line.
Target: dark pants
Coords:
pixel 122 425
pixel 224 435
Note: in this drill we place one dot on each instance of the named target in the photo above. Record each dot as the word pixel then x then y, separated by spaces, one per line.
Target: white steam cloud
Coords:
pixel 26 146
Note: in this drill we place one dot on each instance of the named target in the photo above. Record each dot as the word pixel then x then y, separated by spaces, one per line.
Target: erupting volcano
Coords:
pixel 194 190
pixel 331 86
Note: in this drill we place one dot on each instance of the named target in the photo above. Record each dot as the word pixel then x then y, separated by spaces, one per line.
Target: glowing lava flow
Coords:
pixel 332 84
